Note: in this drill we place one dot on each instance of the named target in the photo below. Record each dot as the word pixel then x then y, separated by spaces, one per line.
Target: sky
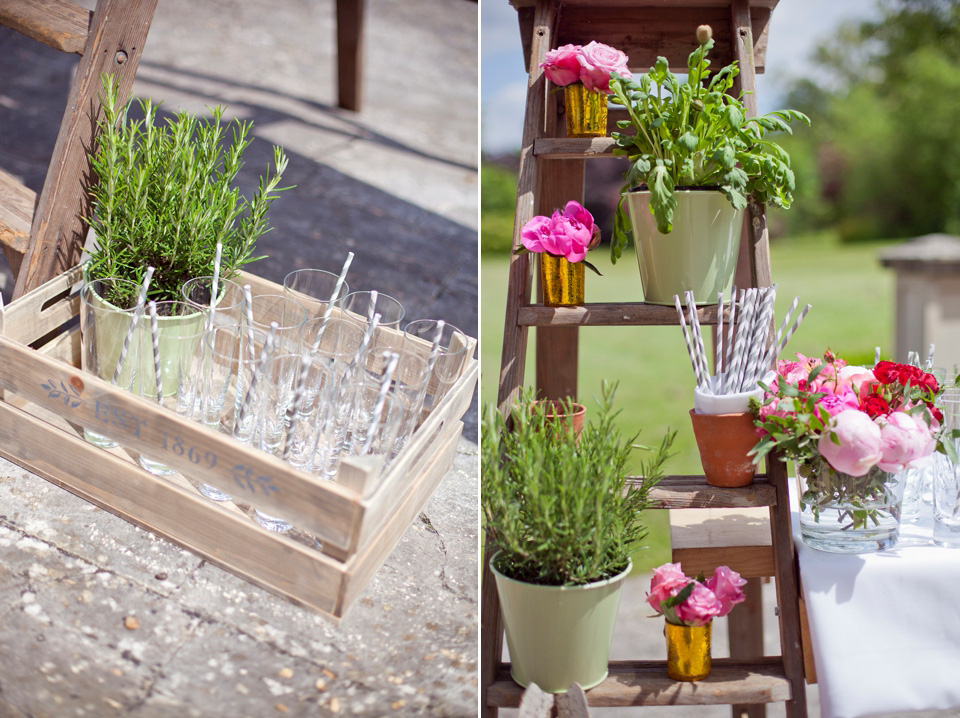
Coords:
pixel 796 28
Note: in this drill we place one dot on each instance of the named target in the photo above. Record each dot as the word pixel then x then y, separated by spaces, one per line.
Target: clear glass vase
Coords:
pixel 840 513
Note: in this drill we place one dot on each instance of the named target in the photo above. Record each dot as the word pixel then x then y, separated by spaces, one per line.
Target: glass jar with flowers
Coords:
pixel 562 241
pixel 584 73
pixel 689 607
pixel 851 431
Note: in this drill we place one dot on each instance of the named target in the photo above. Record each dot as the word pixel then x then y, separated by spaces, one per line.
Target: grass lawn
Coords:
pixel 852 297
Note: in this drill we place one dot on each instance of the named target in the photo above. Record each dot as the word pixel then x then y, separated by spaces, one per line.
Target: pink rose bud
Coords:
pixel 727 586
pixel 859 447
pixel 666 582
pixel 700 608
pixel 562 66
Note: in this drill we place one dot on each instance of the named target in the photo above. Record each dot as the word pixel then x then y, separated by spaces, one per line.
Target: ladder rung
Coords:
pixel 60 24
pixel 603 314
pixel 702 539
pixel 564 148
pixel 693 492
pixel 645 683
pixel 17 204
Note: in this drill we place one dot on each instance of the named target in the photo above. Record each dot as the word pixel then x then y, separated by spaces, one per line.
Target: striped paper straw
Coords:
pixel 686 339
pixel 876 355
pixel 343 275
pixel 155 335
pixel 315 347
pixel 743 332
pixel 928 365
pixel 248 310
pixel 298 393
pixel 435 348
pixel 392 359
pixel 728 360
pixel 773 353
pixel 796 324
pixel 718 360
pixel 216 284
pixel 255 379
pixel 698 341
pixel 371 310
pixel 134 321
pixel 760 348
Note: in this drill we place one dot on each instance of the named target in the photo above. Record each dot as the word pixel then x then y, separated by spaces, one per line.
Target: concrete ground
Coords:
pixel 99 618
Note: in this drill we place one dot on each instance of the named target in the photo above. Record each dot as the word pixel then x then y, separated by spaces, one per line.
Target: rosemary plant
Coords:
pixel 164 196
pixel 563 511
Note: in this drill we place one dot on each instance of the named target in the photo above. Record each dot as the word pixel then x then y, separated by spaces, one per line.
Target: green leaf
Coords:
pixel 688 141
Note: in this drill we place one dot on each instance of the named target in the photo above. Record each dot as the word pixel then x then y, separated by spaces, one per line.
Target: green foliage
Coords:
pixel 164 196
pixel 694 134
pixel 560 511
pixel 498 197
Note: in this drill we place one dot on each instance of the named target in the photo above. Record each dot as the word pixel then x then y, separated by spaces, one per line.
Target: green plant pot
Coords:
pixel 700 254
pixel 559 635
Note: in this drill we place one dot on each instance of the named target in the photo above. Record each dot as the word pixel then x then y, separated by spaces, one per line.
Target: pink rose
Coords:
pixel 903 441
pixel 701 607
pixel 727 586
pixel 667 581
pixel 856 378
pixel 793 372
pixel 835 403
pixel 859 447
pixel 562 66
pixel 597 61
pixel 537 235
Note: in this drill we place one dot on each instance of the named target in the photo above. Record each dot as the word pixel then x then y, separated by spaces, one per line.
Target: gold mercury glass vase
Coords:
pixel 688 652
pixel 586 111
pixel 562 281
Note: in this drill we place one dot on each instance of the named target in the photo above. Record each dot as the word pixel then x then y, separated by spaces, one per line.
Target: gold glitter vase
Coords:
pixel 688 652
pixel 586 111
pixel 562 281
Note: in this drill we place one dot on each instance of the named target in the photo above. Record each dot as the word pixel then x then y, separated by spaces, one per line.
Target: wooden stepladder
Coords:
pixel 551 173
pixel 42 236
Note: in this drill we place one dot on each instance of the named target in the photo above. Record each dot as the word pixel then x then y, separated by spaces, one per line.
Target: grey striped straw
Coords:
pixel 718 361
pixel 392 359
pixel 744 329
pixel 435 349
pixel 686 339
pixel 698 339
pixel 728 360
pixel 760 349
pixel 216 284
pixel 928 365
pixel 155 335
pixel 134 321
pixel 786 337
pixel 298 393
pixel 315 347
pixel 773 353
pixel 876 355
pixel 255 379
pixel 248 310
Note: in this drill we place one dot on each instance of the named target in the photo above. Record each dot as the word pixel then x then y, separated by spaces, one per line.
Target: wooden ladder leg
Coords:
pixel 350 15
pixel 745 626
pixel 115 44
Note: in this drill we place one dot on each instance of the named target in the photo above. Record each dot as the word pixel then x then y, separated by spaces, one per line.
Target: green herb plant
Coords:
pixel 563 511
pixel 164 196
pixel 694 134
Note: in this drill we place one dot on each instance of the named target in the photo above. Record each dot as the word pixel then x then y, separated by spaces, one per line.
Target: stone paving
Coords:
pixel 100 618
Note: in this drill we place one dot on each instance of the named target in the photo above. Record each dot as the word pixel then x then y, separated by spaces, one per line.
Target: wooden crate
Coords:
pixel 47 399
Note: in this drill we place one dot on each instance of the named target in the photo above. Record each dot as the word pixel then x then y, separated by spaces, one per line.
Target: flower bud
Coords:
pixel 704 33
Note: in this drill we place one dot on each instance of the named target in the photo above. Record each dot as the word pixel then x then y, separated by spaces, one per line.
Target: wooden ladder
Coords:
pixel 551 173
pixel 42 236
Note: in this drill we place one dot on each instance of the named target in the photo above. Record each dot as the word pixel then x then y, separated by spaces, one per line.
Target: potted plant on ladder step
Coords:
pixel 694 160
pixel 562 522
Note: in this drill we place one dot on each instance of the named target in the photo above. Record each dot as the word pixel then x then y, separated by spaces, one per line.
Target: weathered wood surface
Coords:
pixel 702 539
pixel 610 314
pixel 536 703
pixel 573 703
pixel 115 43
pixel 58 23
pixel 16 213
pixel 690 492
pixel 745 630
pixel 571 148
pixel 645 683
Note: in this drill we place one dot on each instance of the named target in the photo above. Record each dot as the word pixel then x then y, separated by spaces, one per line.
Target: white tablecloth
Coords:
pixel 886 625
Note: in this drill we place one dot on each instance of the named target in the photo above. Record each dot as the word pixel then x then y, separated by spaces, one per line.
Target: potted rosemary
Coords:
pixel 164 196
pixel 562 520
pixel 694 160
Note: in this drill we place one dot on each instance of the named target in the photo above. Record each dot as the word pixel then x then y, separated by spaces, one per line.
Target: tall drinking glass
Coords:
pixel 361 306
pixel 451 354
pixel 286 312
pixel 313 288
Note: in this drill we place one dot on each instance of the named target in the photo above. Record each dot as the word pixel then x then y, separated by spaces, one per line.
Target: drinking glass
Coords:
pixel 180 348
pixel 419 336
pixel 946 481
pixel 106 310
pixel 357 306
pixel 313 288
pixel 310 414
pixel 229 306
pixel 286 312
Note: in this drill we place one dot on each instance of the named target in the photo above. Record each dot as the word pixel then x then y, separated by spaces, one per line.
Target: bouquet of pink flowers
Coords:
pixel 590 64
pixel 569 233
pixel 683 601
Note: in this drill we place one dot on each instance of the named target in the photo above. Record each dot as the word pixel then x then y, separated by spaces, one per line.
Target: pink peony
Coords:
pixel 562 66
pixel 904 439
pixel 537 235
pixel 856 378
pixel 727 586
pixel 597 61
pixel 835 403
pixel 793 372
pixel 701 607
pixel 859 447
pixel 666 582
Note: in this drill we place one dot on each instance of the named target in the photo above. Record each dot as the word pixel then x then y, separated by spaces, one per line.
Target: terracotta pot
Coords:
pixel 557 413
pixel 724 441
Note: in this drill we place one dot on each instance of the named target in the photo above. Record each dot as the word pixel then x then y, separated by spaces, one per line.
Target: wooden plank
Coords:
pixel 350 15
pixel 745 629
pixel 693 492
pixel 569 148
pixel 60 24
pixel 703 539
pixel 609 314
pixel 16 212
pixel 645 683
pixel 117 34
pixel 748 561
pixel 687 4
pixel 234 543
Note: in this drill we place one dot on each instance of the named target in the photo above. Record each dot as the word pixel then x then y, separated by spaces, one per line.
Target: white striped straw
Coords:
pixel 698 341
pixel 743 339
pixel 728 360
pixel 248 309
pixel 298 393
pixel 392 359
pixel 774 353
pixel 155 335
pixel 876 356
pixel 343 275
pixel 134 321
pixel 435 348
pixel 752 338
pixel 216 284
pixel 371 310
pixel 928 365
pixel 255 379
pixel 718 361
pixel 760 349
pixel 786 337
pixel 315 347
pixel 686 339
